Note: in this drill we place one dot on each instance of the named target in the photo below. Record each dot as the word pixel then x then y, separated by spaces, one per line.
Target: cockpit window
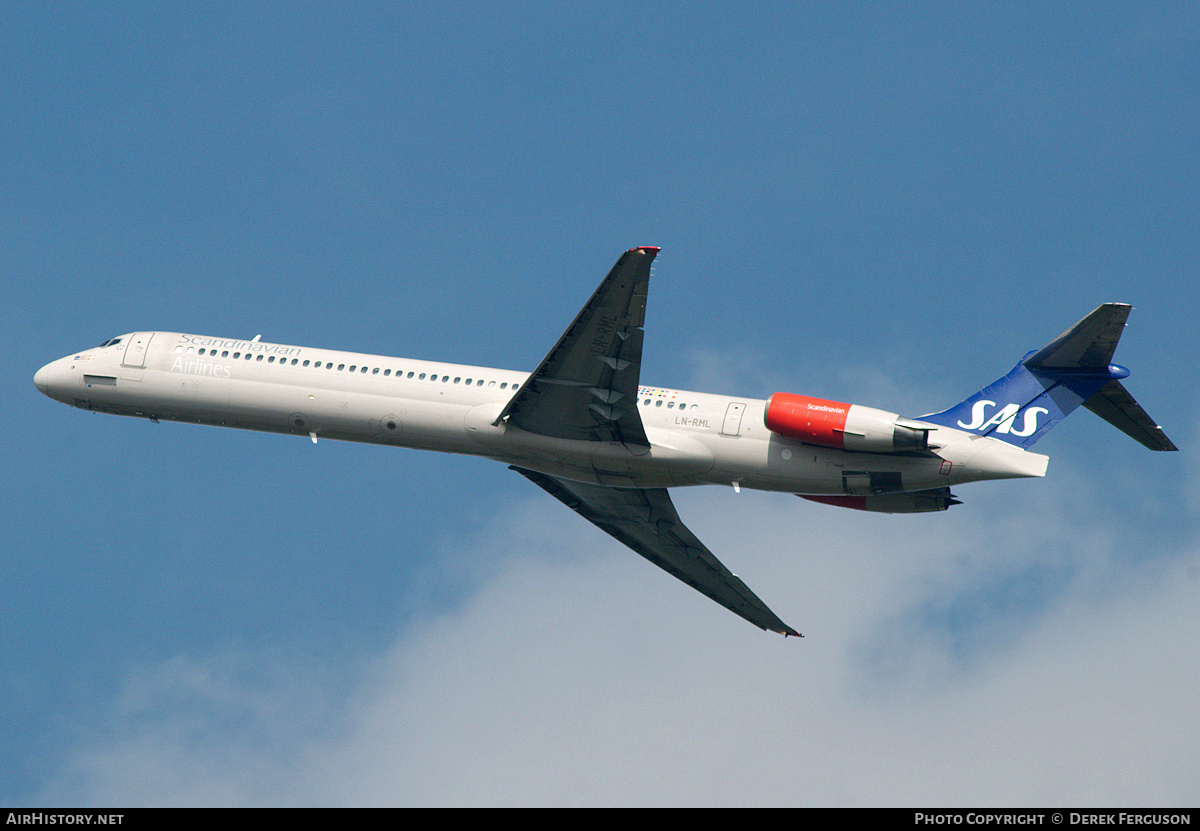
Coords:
pixel 112 342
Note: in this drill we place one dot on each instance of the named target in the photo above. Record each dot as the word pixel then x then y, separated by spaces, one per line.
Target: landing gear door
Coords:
pixel 135 349
pixel 732 425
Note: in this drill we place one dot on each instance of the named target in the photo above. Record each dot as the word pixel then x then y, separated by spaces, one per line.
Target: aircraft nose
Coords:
pixel 41 380
pixel 54 380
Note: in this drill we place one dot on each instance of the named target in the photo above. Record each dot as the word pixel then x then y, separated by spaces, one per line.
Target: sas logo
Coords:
pixel 1003 419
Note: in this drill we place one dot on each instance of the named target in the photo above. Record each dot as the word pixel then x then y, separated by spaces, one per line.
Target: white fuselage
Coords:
pixel 696 438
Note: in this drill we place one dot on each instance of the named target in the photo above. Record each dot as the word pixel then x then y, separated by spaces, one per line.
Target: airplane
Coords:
pixel 584 428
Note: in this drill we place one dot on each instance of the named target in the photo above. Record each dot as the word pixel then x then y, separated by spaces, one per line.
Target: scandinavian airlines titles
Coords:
pixel 240 345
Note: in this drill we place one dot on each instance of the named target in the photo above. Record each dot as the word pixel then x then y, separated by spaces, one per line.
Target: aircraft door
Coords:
pixel 732 425
pixel 135 349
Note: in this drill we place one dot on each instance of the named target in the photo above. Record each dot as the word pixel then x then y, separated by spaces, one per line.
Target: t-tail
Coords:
pixel 1047 385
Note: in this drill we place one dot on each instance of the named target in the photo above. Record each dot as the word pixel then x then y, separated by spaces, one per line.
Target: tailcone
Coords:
pixel 998 460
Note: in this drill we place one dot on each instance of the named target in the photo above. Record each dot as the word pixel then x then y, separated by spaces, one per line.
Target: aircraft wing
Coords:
pixel 586 387
pixel 646 521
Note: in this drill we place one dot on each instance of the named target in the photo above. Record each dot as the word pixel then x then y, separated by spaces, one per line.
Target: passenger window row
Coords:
pixel 658 402
pixel 648 395
pixel 342 367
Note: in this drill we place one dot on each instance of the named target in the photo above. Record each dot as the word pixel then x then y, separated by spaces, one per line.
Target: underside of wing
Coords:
pixel 586 387
pixel 646 521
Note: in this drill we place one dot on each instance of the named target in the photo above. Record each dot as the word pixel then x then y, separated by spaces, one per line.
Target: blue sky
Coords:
pixel 880 204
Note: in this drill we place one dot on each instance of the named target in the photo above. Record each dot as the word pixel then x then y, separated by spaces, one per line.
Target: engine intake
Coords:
pixel 845 426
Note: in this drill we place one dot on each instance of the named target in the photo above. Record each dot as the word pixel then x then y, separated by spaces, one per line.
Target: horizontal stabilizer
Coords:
pixel 1089 344
pixel 1116 406
pixel 1047 385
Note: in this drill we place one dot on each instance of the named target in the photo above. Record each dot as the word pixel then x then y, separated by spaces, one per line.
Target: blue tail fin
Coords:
pixel 1047 385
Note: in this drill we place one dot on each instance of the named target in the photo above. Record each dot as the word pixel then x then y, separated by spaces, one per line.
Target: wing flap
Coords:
pixel 645 520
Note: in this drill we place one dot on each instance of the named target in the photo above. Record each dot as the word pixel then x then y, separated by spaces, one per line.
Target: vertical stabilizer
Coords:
pixel 1047 385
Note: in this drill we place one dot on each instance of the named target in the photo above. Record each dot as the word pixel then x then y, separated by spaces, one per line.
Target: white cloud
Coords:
pixel 579 674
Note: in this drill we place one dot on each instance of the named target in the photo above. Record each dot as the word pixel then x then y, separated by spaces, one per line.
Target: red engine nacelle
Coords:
pixel 846 426
pixel 917 502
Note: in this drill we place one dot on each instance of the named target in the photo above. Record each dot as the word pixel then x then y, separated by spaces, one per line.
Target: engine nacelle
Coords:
pixel 845 426
pixel 916 502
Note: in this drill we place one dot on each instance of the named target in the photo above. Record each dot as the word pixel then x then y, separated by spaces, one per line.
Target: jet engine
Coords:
pixel 845 426
pixel 913 502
